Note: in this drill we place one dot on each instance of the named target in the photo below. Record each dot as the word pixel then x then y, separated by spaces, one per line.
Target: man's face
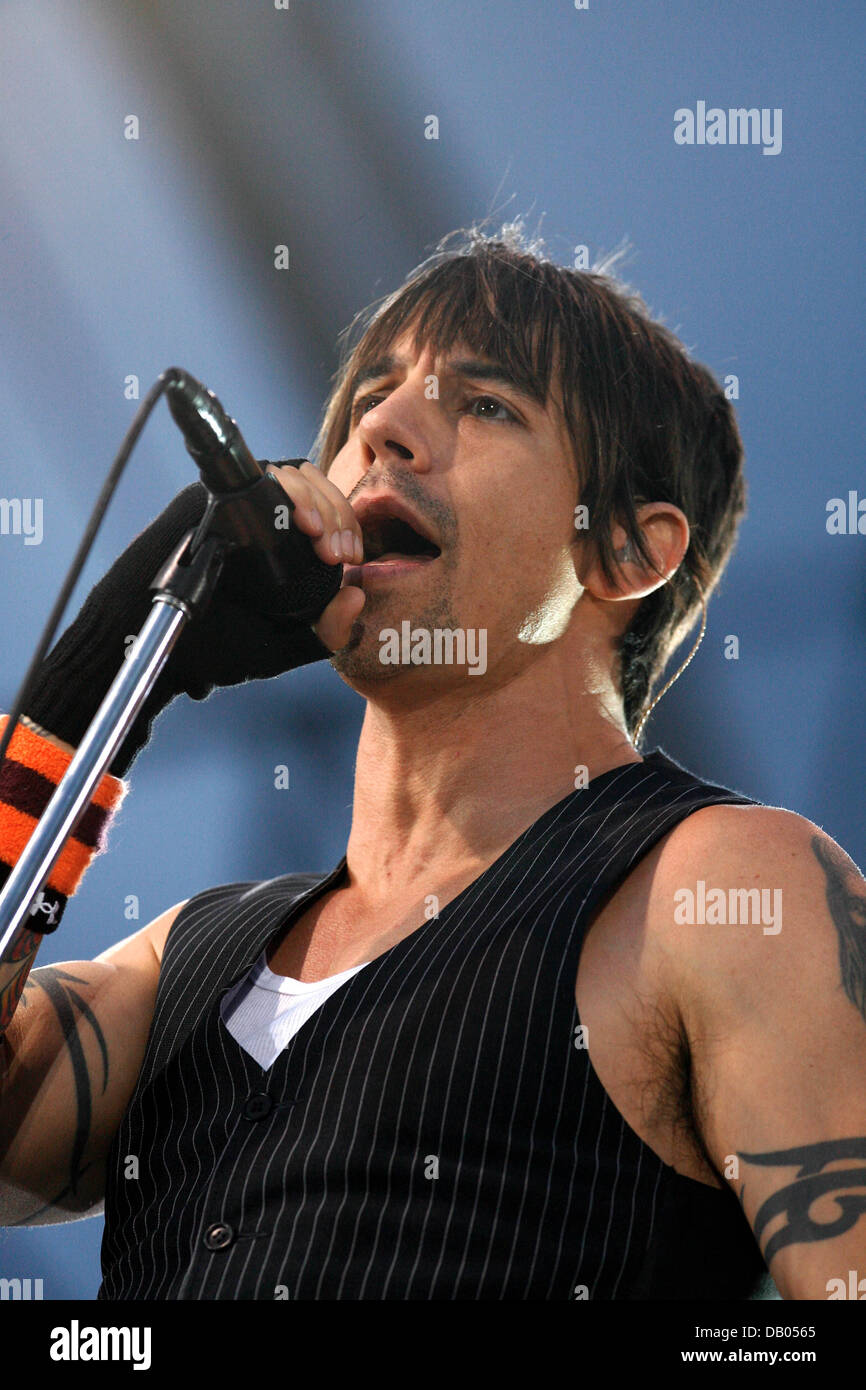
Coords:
pixel 487 475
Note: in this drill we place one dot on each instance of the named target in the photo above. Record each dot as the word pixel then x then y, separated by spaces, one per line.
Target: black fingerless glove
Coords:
pixel 242 635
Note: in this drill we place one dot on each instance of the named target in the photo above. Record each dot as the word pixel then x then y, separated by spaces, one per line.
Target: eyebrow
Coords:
pixel 479 370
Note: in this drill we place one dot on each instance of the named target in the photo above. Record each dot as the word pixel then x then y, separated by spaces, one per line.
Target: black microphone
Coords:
pixel 212 437
pixel 247 504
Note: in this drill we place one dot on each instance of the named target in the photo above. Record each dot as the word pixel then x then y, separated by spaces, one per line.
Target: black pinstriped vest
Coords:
pixel 432 1131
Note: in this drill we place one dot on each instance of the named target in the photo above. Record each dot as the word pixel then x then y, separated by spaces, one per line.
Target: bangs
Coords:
pixel 510 314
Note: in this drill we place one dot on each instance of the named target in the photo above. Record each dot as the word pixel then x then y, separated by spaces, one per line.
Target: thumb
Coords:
pixel 334 627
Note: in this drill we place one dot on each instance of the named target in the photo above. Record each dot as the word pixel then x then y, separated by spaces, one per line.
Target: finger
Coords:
pixel 334 627
pixel 315 515
pixel 303 496
pixel 352 540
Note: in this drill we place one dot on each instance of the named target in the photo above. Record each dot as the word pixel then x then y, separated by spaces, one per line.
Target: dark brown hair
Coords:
pixel 647 422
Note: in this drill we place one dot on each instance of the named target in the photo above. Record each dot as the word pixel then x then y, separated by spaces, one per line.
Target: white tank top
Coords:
pixel 263 1010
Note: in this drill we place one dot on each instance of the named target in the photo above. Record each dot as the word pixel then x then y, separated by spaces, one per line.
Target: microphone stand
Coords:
pixel 184 586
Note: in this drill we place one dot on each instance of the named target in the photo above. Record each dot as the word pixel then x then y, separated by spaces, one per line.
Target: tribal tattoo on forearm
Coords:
pixel 847 903
pixel 69 1007
pixel 845 1187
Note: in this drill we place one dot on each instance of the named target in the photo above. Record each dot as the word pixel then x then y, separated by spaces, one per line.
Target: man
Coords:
pixel 573 1023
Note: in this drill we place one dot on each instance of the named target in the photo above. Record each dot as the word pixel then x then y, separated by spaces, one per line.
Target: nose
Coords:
pixel 399 428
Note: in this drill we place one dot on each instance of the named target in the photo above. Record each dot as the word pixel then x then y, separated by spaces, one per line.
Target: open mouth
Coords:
pixel 391 538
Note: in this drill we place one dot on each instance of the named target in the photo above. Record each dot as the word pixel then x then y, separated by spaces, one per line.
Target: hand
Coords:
pixel 323 513
pixel 241 636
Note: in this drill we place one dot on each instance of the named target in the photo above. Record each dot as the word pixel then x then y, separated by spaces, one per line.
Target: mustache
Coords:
pixel 441 517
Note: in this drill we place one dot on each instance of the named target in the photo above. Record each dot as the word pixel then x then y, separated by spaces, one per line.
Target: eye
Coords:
pixel 363 403
pixel 359 407
pixel 497 405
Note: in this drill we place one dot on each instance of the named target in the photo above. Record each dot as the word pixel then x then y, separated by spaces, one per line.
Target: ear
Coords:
pixel 666 534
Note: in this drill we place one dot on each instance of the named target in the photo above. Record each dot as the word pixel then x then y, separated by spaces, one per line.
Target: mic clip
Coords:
pixel 189 576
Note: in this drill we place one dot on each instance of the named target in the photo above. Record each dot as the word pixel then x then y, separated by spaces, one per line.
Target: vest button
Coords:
pixel 258 1106
pixel 218 1236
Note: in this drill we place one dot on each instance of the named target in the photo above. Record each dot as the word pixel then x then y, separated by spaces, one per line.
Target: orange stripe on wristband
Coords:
pixel 15 830
pixel 41 755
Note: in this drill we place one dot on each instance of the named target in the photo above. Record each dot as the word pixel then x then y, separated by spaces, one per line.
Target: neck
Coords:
pixel 443 785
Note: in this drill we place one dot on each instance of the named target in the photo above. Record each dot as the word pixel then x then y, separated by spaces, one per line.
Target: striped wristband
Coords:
pixel 28 778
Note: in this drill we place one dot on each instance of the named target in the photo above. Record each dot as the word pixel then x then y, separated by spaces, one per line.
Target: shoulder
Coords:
pixel 746 896
pixel 195 911
pixel 157 931
pixel 753 846
pixel 231 905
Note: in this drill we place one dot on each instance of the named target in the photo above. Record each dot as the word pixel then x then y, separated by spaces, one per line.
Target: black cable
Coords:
pixel 114 475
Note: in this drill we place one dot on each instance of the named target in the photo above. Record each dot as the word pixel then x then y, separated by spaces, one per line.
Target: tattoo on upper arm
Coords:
pixel 814 1179
pixel 69 1007
pixel 848 909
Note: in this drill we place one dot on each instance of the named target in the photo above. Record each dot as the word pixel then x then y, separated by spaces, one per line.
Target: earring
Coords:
pixel 625 555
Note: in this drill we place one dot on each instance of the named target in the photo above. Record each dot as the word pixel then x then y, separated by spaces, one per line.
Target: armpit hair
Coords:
pixel 672 1102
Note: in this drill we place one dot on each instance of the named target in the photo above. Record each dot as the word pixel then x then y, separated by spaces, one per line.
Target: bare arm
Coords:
pixel 73 1051
pixel 776 1020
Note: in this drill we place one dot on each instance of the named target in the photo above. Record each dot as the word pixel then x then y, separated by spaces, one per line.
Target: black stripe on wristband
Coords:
pixel 46 909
